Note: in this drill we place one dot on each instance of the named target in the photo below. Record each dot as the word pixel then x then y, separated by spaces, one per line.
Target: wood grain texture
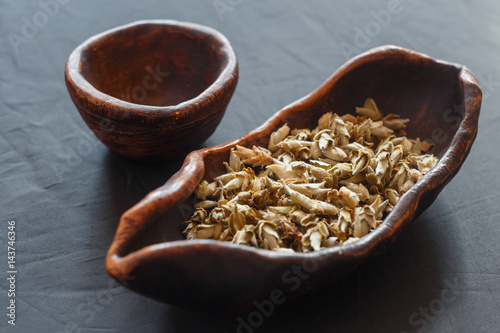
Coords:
pixel 442 100
pixel 153 90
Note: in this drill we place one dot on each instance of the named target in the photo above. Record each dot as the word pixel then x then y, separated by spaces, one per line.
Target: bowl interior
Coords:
pixel 153 64
pixel 427 92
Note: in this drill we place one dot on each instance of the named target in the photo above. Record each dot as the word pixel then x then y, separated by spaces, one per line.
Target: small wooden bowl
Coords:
pixel 153 89
pixel 149 255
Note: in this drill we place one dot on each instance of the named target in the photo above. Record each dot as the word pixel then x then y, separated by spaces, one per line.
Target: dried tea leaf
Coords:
pixel 325 121
pixel 301 134
pixel 369 110
pixel 312 189
pixel 205 189
pixel 255 156
pixel 283 170
pixel 199 215
pixel 235 162
pixel 267 235
pixel 237 220
pixel 335 153
pixel 426 146
pixel 379 130
pixel 395 122
pixel 392 195
pixel 315 236
pixel 277 137
pixel 359 189
pixel 245 236
pixel 348 198
pixel 363 220
pixel 350 241
pixel 207 204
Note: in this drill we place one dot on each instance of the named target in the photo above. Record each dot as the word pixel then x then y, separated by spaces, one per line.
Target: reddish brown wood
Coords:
pixel 148 252
pixel 153 89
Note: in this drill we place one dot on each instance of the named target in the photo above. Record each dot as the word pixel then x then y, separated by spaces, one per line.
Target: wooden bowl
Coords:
pixel 149 255
pixel 153 90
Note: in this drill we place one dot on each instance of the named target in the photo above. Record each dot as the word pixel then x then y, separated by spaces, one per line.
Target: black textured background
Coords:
pixel 66 191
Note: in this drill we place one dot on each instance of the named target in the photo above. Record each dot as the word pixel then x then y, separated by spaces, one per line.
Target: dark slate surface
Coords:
pixel 66 191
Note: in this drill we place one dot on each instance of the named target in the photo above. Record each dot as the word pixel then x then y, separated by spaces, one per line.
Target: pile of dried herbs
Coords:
pixel 312 189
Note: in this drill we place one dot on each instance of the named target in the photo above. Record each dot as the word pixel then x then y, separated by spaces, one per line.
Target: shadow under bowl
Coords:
pixel 149 255
pixel 153 90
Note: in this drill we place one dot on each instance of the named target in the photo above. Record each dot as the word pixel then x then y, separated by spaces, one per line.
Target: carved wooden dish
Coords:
pixel 149 255
pixel 153 89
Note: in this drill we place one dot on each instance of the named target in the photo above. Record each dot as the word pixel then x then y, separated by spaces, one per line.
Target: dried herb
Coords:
pixel 312 189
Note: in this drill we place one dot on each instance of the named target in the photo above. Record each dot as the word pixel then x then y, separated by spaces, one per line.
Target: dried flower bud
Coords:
pixel 277 137
pixel 369 110
pixel 312 189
